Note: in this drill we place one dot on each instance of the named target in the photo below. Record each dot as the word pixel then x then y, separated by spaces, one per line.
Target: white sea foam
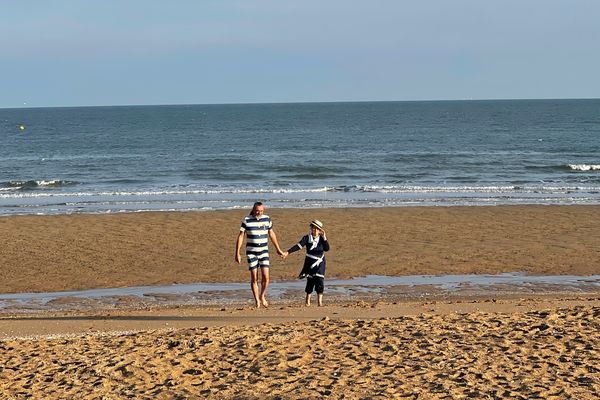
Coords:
pixel 149 195
pixel 32 184
pixel 478 189
pixel 53 182
pixel 585 167
pixel 159 192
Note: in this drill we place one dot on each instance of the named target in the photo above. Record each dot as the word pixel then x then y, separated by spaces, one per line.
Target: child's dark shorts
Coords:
pixel 317 283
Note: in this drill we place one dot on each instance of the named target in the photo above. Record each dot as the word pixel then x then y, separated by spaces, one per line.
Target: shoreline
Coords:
pixel 282 293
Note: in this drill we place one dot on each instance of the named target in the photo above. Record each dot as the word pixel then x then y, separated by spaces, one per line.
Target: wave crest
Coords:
pixel 34 184
pixel 584 167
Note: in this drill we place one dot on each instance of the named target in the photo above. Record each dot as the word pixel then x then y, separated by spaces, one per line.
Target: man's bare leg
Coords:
pixel 264 285
pixel 320 299
pixel 254 286
pixel 307 300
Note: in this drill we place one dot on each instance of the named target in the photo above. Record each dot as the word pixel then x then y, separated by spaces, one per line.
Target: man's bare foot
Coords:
pixel 257 304
pixel 265 303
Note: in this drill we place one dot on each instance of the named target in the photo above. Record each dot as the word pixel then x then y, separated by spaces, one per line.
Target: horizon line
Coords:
pixel 301 102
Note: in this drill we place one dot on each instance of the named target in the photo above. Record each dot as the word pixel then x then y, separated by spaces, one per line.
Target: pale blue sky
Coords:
pixel 79 52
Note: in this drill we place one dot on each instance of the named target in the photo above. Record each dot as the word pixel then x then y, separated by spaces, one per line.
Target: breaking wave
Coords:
pixel 584 167
pixel 34 184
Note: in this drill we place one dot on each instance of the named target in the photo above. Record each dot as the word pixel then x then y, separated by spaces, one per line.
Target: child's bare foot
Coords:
pixel 264 302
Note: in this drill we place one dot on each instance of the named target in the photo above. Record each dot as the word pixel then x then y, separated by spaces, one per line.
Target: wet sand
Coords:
pixel 74 252
pixel 523 345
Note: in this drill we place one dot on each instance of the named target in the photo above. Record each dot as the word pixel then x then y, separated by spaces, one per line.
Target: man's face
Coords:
pixel 258 211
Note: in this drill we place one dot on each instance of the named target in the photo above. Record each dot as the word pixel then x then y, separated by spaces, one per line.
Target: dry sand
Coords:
pixel 543 347
pixel 481 352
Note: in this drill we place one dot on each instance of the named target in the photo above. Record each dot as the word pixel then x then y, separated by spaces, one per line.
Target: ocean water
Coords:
pixel 373 154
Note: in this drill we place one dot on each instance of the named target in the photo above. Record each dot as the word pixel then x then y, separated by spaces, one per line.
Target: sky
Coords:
pixel 130 52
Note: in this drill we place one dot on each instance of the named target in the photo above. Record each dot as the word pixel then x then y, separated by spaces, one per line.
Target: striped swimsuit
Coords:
pixel 257 240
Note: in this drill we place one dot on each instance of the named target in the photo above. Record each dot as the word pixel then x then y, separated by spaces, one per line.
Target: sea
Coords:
pixel 298 155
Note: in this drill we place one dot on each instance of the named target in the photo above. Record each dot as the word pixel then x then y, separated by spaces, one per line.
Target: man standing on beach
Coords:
pixel 258 228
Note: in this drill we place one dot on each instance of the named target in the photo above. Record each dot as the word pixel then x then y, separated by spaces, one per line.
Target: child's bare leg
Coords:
pixel 307 300
pixel 320 299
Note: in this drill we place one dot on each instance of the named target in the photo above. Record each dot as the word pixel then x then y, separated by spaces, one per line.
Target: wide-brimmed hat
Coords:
pixel 317 224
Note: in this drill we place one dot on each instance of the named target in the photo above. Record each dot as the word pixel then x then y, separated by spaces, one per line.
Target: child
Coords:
pixel 314 262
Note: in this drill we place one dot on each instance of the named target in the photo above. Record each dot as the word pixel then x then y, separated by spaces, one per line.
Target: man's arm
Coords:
pixel 273 238
pixel 238 247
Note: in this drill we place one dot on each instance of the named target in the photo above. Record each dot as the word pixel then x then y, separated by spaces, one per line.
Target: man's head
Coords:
pixel 258 209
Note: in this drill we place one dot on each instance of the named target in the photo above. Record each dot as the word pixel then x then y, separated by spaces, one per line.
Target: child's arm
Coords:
pixel 325 243
pixel 298 245
pixel 294 248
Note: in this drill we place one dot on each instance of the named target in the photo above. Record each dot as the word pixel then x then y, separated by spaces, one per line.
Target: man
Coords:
pixel 258 229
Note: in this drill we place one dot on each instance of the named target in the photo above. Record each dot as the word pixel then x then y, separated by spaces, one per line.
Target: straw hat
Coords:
pixel 317 224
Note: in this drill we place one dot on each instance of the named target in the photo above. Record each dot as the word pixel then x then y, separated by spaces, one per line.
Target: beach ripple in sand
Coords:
pixel 550 354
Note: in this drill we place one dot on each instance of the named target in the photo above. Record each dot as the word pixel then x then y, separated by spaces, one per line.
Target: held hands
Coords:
pixel 284 254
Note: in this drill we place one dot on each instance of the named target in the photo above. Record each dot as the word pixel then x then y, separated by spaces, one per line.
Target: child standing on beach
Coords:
pixel 314 263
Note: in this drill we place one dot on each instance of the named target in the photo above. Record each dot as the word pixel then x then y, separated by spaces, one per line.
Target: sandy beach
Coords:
pixel 523 349
pixel 530 345
pixel 73 252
